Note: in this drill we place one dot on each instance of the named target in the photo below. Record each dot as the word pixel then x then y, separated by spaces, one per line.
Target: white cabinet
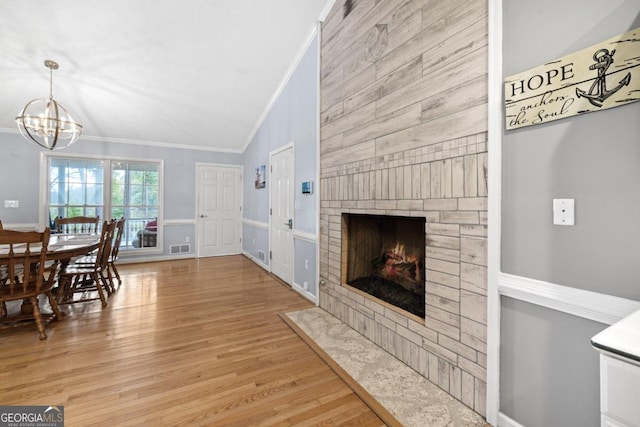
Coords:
pixel 619 347
pixel 619 392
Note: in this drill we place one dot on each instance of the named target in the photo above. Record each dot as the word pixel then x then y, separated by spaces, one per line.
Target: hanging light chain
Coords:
pixel 51 65
pixel 50 83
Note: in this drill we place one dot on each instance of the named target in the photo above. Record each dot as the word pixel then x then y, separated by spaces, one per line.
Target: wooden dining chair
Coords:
pixel 112 270
pixel 83 278
pixel 27 275
pixel 77 224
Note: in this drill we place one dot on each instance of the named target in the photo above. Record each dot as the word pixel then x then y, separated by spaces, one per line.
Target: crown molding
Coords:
pixel 285 80
pixel 127 141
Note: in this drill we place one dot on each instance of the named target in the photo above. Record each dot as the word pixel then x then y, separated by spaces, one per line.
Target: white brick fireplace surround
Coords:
pixel 404 132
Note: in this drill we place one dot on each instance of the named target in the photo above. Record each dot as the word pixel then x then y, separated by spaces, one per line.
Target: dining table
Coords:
pixel 62 248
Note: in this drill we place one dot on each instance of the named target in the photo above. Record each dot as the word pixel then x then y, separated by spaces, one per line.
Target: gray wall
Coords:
pixel 20 166
pixel 305 272
pixel 293 118
pixel 549 374
pixel 594 158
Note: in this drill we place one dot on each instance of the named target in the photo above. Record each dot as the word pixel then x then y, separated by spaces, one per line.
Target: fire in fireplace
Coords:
pixel 384 257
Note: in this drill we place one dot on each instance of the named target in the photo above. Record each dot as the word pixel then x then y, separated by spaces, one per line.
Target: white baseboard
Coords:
pixel 308 295
pixel 590 305
pixel 256 260
pixel 504 421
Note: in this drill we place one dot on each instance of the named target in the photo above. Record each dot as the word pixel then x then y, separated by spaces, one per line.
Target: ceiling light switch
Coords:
pixel 564 212
pixel 11 204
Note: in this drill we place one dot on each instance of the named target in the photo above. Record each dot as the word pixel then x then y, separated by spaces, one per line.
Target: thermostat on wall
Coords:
pixel 307 187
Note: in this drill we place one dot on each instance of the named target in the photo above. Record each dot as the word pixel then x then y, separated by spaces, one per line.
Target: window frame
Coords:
pixel 43 201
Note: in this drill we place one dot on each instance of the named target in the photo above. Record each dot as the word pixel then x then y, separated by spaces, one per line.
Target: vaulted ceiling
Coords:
pixel 194 73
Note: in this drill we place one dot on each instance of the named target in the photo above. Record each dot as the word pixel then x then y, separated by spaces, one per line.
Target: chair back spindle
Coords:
pixel 112 270
pixel 22 262
pixel 118 238
pixel 77 224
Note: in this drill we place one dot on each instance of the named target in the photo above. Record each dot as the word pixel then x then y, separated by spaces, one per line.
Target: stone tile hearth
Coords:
pixel 408 396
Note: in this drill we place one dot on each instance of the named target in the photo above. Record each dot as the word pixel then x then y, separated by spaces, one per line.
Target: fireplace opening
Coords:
pixel 383 256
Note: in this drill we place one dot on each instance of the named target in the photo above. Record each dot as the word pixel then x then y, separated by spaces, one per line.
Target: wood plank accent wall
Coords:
pixel 404 132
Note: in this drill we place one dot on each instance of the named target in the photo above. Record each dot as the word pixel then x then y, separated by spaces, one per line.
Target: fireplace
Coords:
pixel 383 256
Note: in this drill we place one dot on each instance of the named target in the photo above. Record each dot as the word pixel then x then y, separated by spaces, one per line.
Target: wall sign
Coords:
pixel 261 180
pixel 602 76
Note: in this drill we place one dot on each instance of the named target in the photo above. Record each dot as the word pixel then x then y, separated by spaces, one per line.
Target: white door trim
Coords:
pixel 269 184
pixel 240 169
pixel 495 126
pixel 280 149
pixel 317 190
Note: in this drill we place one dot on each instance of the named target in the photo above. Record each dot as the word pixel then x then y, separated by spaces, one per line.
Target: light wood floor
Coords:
pixel 190 342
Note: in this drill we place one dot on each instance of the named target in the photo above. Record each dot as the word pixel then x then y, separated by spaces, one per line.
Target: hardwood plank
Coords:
pixel 380 410
pixel 189 342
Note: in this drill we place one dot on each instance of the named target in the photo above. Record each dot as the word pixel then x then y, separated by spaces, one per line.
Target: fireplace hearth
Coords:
pixel 383 256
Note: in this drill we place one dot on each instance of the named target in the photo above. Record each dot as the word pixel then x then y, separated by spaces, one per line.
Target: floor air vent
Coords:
pixel 179 249
pixel 261 255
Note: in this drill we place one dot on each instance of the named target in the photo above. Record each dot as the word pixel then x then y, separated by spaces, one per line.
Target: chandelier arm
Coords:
pixel 57 121
pixel 29 135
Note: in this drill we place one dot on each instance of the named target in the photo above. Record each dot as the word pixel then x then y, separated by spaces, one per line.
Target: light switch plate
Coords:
pixel 564 212
pixel 11 204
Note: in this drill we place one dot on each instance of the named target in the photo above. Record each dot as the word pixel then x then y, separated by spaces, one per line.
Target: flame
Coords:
pixel 396 261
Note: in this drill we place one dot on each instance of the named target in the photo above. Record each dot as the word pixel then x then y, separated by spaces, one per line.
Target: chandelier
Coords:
pixel 46 122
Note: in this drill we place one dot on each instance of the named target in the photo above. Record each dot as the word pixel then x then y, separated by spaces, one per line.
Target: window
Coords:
pixel 110 188
pixel 134 195
pixel 76 187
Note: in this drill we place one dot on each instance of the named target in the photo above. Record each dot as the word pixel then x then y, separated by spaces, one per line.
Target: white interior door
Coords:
pixel 282 214
pixel 219 221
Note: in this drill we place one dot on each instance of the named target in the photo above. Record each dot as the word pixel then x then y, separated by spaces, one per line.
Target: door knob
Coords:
pixel 289 223
pixel 203 216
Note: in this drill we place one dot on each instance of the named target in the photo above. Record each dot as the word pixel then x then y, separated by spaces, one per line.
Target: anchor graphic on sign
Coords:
pixel 598 92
